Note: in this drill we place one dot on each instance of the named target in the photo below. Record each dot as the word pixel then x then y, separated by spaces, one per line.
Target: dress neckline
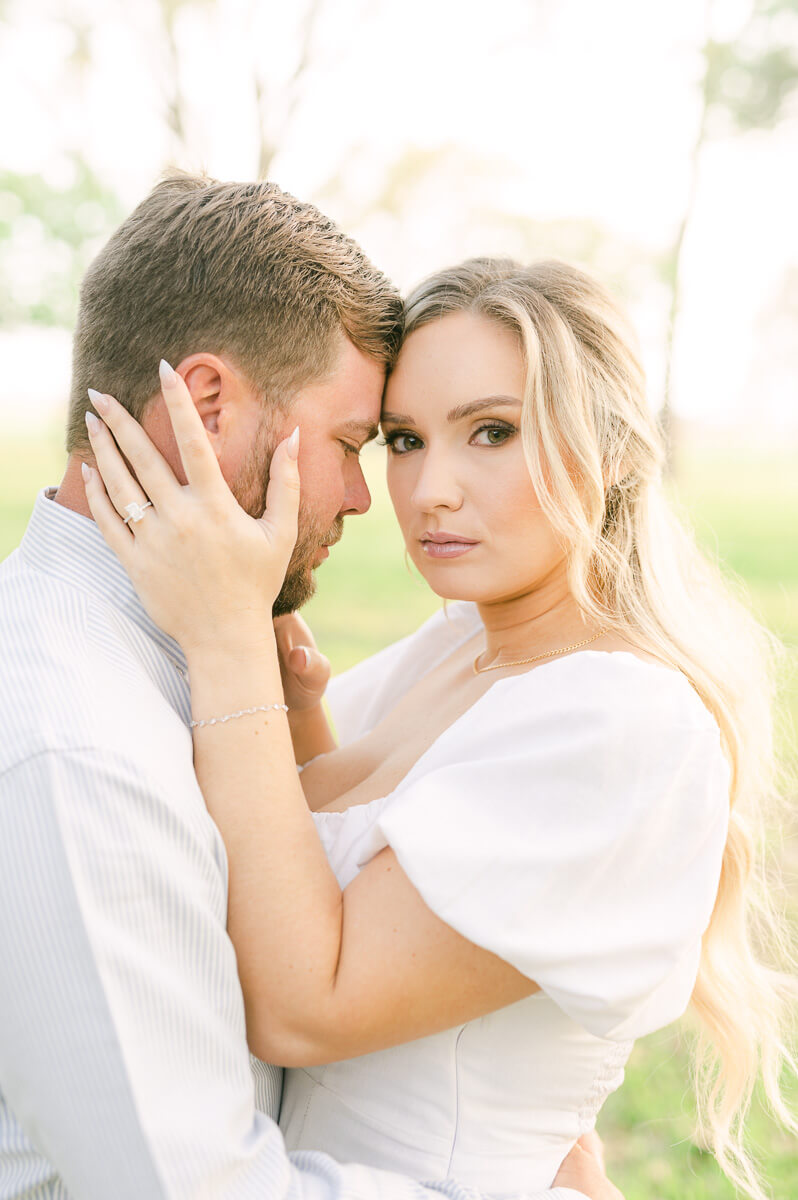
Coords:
pixel 367 805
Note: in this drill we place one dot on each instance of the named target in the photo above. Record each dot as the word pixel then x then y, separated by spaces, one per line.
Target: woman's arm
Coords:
pixel 310 733
pixel 326 974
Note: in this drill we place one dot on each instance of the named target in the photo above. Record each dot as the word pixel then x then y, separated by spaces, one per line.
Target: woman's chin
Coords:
pixel 448 579
pixel 449 589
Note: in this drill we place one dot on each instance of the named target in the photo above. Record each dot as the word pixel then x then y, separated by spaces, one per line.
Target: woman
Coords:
pixel 455 925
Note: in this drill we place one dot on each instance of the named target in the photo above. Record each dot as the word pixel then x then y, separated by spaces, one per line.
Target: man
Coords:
pixel 124 1070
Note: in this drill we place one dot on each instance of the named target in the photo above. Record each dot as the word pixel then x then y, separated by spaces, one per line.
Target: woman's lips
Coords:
pixel 436 547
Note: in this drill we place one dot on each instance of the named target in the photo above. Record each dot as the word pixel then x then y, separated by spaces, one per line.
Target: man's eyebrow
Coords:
pixel 365 431
pixel 457 414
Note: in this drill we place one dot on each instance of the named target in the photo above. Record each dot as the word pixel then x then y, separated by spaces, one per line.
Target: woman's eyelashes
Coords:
pixel 503 428
pixel 395 439
pixel 403 441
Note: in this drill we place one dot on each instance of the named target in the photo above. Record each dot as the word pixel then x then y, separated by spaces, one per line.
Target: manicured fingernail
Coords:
pixel 292 448
pixel 168 374
pixel 98 400
pixel 306 653
pixel 85 471
pixel 94 423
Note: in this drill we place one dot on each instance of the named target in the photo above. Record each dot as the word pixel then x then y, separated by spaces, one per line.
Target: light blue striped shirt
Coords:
pixel 124 1069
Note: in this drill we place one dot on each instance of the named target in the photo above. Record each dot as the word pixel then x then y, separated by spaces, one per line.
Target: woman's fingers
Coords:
pixel 282 495
pixel 199 461
pixel 293 630
pixel 311 668
pixel 111 526
pixel 153 473
pixel 305 671
pixel 121 486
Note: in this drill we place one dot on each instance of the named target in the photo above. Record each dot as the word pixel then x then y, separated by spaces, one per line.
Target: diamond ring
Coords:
pixel 135 512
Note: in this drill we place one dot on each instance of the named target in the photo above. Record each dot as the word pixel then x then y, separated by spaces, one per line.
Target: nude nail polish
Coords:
pixel 99 401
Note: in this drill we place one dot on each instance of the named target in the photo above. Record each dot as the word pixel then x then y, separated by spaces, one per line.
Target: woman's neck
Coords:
pixel 546 618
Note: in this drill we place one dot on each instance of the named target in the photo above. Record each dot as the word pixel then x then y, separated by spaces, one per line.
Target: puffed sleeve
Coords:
pixel 573 823
pixel 360 697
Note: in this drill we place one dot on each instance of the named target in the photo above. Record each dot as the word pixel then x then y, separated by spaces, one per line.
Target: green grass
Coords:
pixel 744 509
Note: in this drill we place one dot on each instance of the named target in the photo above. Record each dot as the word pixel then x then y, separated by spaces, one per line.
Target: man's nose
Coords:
pixel 436 483
pixel 357 498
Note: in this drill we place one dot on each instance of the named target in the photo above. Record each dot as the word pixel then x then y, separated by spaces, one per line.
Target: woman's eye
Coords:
pixel 493 435
pixel 401 443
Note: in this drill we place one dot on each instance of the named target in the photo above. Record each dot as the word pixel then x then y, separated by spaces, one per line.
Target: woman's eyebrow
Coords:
pixel 459 413
pixel 475 406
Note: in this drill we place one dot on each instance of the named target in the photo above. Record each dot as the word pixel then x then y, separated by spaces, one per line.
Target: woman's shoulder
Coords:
pixel 588 723
pixel 572 821
pixel 616 688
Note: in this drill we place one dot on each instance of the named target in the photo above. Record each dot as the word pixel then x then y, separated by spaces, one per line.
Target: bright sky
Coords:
pixel 549 109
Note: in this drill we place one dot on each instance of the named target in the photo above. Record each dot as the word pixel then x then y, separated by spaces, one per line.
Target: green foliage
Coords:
pixel 52 233
pixel 749 80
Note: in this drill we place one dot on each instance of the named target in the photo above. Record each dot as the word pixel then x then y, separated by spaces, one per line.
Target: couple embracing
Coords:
pixel 521 845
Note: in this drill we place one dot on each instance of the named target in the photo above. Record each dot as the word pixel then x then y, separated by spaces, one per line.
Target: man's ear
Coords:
pixel 210 382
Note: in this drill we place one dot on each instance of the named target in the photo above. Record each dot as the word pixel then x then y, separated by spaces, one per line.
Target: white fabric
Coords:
pixel 124 1070
pixel 572 822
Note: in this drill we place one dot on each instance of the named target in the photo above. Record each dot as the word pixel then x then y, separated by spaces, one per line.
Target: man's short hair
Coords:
pixel 242 269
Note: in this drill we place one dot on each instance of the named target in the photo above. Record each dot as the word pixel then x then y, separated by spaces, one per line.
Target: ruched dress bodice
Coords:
pixel 572 821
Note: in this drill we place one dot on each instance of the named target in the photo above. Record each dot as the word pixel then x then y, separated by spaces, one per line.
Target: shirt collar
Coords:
pixel 68 546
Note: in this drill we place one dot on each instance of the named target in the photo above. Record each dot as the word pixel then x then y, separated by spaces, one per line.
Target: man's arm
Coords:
pixel 122 1047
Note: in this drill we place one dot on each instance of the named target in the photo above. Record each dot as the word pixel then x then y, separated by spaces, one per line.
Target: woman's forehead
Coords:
pixel 460 358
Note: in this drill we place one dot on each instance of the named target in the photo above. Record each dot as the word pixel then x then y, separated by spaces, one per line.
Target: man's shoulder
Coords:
pixel 77 673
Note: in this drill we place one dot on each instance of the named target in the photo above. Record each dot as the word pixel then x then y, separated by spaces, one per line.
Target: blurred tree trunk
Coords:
pixel 746 84
pixel 269 141
pixel 175 102
pixel 675 257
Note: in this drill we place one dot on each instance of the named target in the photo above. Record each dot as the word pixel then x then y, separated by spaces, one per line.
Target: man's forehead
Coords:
pixel 352 393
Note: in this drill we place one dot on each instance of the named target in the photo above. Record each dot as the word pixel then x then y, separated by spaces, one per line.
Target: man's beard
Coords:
pixel 249 488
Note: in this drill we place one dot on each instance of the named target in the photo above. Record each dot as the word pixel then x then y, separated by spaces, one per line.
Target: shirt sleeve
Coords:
pixel 122 1043
pixel 573 823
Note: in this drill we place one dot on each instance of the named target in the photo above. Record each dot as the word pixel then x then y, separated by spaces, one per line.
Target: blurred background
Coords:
pixel 656 144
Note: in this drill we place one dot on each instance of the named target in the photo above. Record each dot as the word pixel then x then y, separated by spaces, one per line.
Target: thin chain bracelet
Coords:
pixel 243 713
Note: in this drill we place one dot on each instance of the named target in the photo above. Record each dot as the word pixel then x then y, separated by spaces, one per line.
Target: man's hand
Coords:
pixel 583 1170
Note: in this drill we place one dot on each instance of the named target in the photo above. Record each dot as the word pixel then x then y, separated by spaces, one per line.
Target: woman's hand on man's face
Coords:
pixel 206 571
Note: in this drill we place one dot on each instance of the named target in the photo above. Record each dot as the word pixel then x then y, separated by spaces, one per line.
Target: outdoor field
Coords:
pixel 744 508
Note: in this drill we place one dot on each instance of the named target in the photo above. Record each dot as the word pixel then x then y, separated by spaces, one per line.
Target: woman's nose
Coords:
pixel 436 484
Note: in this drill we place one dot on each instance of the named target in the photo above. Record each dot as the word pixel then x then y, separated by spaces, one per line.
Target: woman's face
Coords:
pixel 456 468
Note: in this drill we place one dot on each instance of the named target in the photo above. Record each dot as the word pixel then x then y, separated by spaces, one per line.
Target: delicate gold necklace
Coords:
pixel 535 657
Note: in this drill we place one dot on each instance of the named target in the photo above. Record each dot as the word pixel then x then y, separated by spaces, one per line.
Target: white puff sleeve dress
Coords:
pixel 572 822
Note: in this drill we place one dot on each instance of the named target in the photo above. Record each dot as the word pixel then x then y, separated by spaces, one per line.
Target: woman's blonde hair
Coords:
pixel 596 459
